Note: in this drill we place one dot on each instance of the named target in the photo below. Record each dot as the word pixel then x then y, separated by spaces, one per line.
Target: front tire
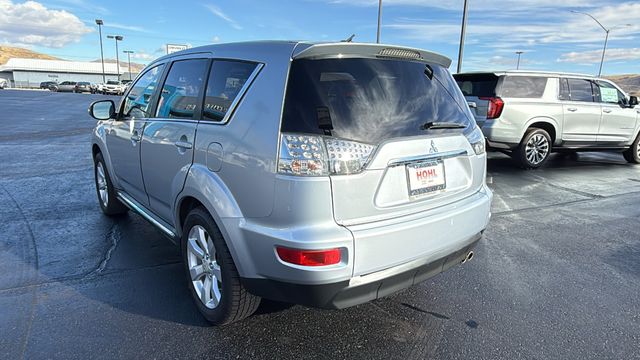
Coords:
pixel 107 197
pixel 632 154
pixel 212 276
pixel 534 149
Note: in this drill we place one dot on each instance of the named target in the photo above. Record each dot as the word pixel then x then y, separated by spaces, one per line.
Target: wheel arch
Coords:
pixel 545 123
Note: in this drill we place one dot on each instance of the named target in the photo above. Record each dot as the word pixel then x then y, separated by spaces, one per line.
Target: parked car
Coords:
pixel 83 87
pixel 323 174
pixel 65 86
pixel 528 115
pixel 113 88
pixel 3 84
pixel 47 85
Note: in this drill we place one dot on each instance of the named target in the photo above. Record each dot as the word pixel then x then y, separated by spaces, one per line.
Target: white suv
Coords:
pixel 529 114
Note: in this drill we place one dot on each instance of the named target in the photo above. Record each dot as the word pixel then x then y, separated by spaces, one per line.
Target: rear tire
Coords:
pixel 212 276
pixel 632 154
pixel 107 197
pixel 534 149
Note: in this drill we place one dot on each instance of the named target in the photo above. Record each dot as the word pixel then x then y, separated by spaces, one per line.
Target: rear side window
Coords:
pixel 137 101
pixel 226 79
pixel 180 92
pixel 580 90
pixel 370 100
pixel 523 87
pixel 479 85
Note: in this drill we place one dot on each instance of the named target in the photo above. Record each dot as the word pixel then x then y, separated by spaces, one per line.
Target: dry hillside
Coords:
pixel 629 83
pixel 8 52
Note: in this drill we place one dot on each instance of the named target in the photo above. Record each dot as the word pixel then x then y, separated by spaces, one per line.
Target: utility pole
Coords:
pixel 518 64
pixel 117 38
pixel 379 21
pixel 462 35
pixel 99 22
pixel 129 52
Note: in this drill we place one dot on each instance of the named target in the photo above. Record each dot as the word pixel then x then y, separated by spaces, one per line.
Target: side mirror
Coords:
pixel 633 101
pixel 102 109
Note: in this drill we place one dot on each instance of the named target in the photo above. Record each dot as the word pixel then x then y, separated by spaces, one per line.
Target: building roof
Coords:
pixel 63 66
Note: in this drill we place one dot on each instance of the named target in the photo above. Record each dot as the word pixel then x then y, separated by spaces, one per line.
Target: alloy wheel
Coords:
pixel 537 149
pixel 101 178
pixel 204 269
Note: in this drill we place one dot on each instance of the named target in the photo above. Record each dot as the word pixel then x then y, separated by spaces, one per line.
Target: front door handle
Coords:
pixel 572 109
pixel 135 137
pixel 606 111
pixel 184 144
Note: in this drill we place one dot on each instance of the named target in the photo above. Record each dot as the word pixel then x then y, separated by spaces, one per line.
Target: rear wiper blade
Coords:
pixel 441 125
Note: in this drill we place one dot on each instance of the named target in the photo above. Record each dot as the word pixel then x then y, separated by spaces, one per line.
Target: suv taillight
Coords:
pixel 313 155
pixel 495 107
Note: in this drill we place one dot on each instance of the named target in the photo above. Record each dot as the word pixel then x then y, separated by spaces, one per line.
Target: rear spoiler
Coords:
pixel 340 50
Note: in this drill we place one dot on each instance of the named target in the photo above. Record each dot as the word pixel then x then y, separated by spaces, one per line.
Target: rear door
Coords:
pixel 124 134
pixel 168 138
pixel 618 120
pixel 581 112
pixel 478 89
pixel 358 104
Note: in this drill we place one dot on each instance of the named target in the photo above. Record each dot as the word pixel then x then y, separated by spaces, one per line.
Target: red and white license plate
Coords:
pixel 426 177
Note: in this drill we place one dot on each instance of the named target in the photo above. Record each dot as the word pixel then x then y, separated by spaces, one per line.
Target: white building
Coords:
pixel 31 72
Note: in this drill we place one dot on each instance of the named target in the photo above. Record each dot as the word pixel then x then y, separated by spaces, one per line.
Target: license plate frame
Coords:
pixel 413 183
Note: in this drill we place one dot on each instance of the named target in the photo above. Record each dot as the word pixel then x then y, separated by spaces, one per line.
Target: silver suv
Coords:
pixel 320 174
pixel 530 114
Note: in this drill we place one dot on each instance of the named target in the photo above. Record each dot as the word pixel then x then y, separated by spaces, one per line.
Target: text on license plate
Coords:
pixel 425 177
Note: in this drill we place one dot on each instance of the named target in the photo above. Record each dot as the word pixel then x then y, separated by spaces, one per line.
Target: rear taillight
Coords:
pixel 309 257
pixel 495 107
pixel 313 155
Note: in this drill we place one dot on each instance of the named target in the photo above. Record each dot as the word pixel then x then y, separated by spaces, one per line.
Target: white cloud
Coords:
pixel 31 23
pixel 594 56
pixel 126 27
pixel 219 13
pixel 142 55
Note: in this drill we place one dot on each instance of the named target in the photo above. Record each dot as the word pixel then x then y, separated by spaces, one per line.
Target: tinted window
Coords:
pixel 609 94
pixel 565 94
pixel 580 90
pixel 370 100
pixel 225 81
pixel 179 97
pixel 477 84
pixel 523 87
pixel 137 101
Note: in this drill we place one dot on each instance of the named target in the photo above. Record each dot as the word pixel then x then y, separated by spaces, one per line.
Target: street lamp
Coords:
pixel 606 38
pixel 379 21
pixel 100 23
pixel 117 38
pixel 129 52
pixel 518 64
pixel 462 34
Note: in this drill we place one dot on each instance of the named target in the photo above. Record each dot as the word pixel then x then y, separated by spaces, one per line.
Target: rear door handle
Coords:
pixel 135 137
pixel 184 144
pixel 606 110
pixel 572 109
pixel 472 104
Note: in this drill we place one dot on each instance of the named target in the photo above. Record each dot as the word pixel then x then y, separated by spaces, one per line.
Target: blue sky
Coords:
pixel 551 36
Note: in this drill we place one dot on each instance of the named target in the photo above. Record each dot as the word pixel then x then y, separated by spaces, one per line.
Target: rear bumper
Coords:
pixel 358 290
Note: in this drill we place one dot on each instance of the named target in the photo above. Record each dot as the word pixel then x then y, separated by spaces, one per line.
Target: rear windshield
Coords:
pixel 370 100
pixel 523 86
pixel 479 85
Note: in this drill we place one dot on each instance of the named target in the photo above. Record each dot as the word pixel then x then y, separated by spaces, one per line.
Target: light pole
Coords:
pixel 379 21
pixel 99 22
pixel 462 34
pixel 606 38
pixel 518 64
pixel 129 52
pixel 117 38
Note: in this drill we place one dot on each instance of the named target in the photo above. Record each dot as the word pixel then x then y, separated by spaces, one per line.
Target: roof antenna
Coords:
pixel 350 38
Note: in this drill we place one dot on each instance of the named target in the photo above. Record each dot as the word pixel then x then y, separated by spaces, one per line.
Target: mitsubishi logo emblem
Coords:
pixel 433 149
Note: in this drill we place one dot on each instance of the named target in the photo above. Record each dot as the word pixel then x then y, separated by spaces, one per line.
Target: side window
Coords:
pixel 581 90
pixel 565 94
pixel 136 104
pixel 523 87
pixel 609 94
pixel 225 81
pixel 180 92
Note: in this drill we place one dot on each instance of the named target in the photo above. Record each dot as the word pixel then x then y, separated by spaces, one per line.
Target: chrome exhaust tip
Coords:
pixel 468 257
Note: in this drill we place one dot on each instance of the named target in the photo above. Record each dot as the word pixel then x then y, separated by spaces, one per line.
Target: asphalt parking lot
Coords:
pixel 556 276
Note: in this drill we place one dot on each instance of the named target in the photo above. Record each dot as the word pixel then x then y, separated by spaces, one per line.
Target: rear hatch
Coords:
pixel 404 121
pixel 478 89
